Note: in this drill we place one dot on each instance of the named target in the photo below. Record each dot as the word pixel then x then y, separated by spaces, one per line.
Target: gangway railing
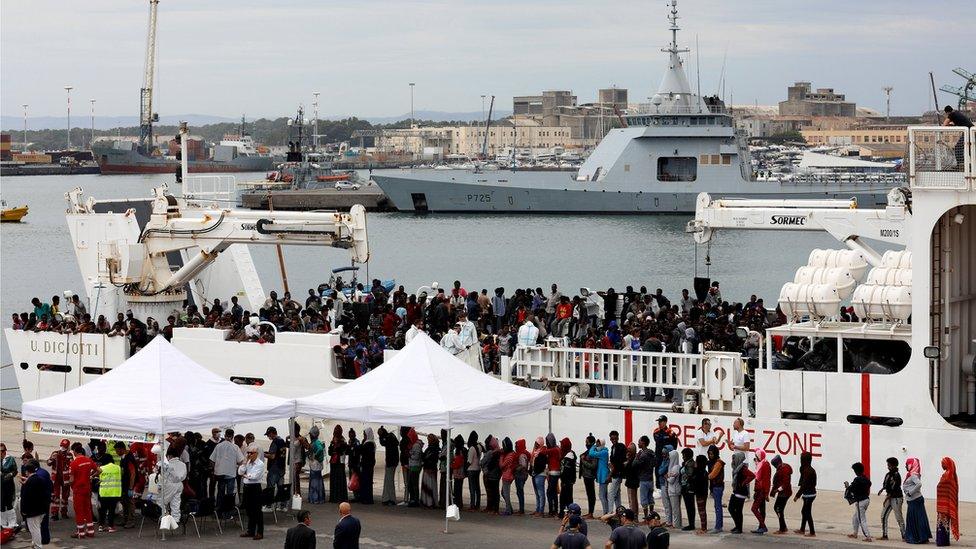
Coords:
pixel 210 190
pixel 716 376
pixel 941 157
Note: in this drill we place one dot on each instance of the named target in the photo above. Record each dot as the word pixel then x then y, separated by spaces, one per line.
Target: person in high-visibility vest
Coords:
pixel 109 492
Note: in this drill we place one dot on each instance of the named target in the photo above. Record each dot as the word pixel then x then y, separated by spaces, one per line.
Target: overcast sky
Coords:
pixel 264 57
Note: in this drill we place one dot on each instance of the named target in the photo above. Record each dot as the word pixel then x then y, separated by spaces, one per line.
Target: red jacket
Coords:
pixel 781 481
pixel 762 479
pixel 555 456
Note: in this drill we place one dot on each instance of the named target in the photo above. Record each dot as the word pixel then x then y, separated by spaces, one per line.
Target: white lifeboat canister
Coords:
pixel 874 302
pixel 889 276
pixel 838 277
pixel 897 259
pixel 851 260
pixel 799 300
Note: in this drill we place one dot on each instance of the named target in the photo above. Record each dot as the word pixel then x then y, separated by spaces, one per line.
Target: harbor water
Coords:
pixel 480 250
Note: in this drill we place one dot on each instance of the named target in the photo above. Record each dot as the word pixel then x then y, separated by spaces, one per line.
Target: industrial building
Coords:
pixel 803 101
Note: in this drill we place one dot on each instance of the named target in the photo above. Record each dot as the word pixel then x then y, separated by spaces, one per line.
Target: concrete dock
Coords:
pixel 369 196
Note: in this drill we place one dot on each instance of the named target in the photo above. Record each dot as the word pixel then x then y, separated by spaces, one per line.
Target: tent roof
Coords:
pixel 158 390
pixel 423 385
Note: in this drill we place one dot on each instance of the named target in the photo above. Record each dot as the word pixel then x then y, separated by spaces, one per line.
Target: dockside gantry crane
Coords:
pixel 146 114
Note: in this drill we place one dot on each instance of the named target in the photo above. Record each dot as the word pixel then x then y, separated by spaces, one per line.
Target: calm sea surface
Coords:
pixel 482 251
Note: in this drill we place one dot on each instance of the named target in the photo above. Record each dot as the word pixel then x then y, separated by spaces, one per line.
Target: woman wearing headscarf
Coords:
pixel 491 465
pixel 316 459
pixel 947 504
pixel 539 468
pixel 567 474
pixel 601 454
pixel 701 487
pixel 632 476
pixel 415 463
pixel 367 462
pixel 673 487
pixel 522 462
pixel 741 477
pixel 716 484
pixel 763 484
pixel 338 491
pixel 475 450
pixel 428 487
pixel 807 490
pixel 552 484
pixel 917 528
pixel 508 463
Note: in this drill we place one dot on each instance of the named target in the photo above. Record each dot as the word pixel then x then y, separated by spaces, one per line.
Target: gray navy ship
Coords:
pixel 678 145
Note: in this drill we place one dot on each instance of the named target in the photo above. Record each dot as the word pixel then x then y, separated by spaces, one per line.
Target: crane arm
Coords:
pixel 213 231
pixel 840 218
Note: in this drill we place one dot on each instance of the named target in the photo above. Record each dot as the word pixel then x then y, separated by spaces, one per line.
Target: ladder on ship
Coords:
pixel 936 310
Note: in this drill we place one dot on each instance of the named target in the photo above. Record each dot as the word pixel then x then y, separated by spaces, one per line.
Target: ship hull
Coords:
pixel 119 161
pixel 535 192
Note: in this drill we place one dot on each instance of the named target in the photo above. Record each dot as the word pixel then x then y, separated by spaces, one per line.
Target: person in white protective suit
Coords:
pixel 528 334
pixel 416 328
pixel 172 472
pixel 451 341
pixel 468 338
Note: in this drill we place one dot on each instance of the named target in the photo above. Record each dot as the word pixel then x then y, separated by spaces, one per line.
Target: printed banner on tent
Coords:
pixel 89 431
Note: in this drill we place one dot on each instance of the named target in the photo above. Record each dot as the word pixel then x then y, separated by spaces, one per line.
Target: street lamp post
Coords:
pixel 68 90
pixel 412 120
pixel 315 126
pixel 24 149
pixel 92 142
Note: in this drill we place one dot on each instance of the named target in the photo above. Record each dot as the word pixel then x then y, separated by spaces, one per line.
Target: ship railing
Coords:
pixel 884 179
pixel 716 377
pixel 651 108
pixel 210 190
pixel 941 157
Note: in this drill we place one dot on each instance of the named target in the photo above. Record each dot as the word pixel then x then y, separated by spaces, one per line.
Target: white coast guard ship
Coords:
pixel 900 383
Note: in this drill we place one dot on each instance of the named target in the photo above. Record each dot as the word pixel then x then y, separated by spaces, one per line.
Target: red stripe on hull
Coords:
pixel 628 426
pixel 866 428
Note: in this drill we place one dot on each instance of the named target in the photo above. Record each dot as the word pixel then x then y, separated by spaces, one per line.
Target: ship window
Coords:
pixel 677 168
pixel 703 159
pixel 24 365
pixel 726 159
pixel 626 167
pixel 90 370
pixel 62 368
pixel 254 381
pixel 716 159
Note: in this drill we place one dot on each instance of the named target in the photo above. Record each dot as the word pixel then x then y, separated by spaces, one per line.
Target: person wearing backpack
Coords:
pixel 587 468
pixel 540 466
pixel 567 474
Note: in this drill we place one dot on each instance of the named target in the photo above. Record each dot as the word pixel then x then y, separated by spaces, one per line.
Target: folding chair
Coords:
pixel 152 512
pixel 268 500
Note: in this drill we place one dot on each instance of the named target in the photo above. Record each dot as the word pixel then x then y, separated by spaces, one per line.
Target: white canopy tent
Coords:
pixel 423 385
pixel 156 391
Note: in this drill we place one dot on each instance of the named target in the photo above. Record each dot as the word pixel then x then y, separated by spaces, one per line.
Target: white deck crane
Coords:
pixel 842 219
pixel 146 114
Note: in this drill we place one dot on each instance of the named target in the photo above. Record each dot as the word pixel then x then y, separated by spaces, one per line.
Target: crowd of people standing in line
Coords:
pixel 626 480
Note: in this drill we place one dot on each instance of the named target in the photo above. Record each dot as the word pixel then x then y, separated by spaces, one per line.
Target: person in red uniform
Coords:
pixel 82 471
pixel 60 464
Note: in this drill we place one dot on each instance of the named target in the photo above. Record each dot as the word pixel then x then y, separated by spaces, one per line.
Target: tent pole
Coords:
pixel 292 477
pixel 449 481
pixel 550 420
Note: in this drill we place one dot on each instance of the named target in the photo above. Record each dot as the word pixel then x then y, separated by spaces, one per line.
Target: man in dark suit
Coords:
pixel 347 529
pixel 301 536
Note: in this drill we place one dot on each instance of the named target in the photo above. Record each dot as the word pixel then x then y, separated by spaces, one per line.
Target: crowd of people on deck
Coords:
pixel 371 320
pixel 652 481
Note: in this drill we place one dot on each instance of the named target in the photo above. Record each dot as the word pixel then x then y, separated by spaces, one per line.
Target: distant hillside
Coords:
pixel 82 120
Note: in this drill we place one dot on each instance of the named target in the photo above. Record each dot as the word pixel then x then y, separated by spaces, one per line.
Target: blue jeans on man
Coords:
pixel 604 499
pixel 615 492
pixel 226 486
pixel 646 490
pixel 539 483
